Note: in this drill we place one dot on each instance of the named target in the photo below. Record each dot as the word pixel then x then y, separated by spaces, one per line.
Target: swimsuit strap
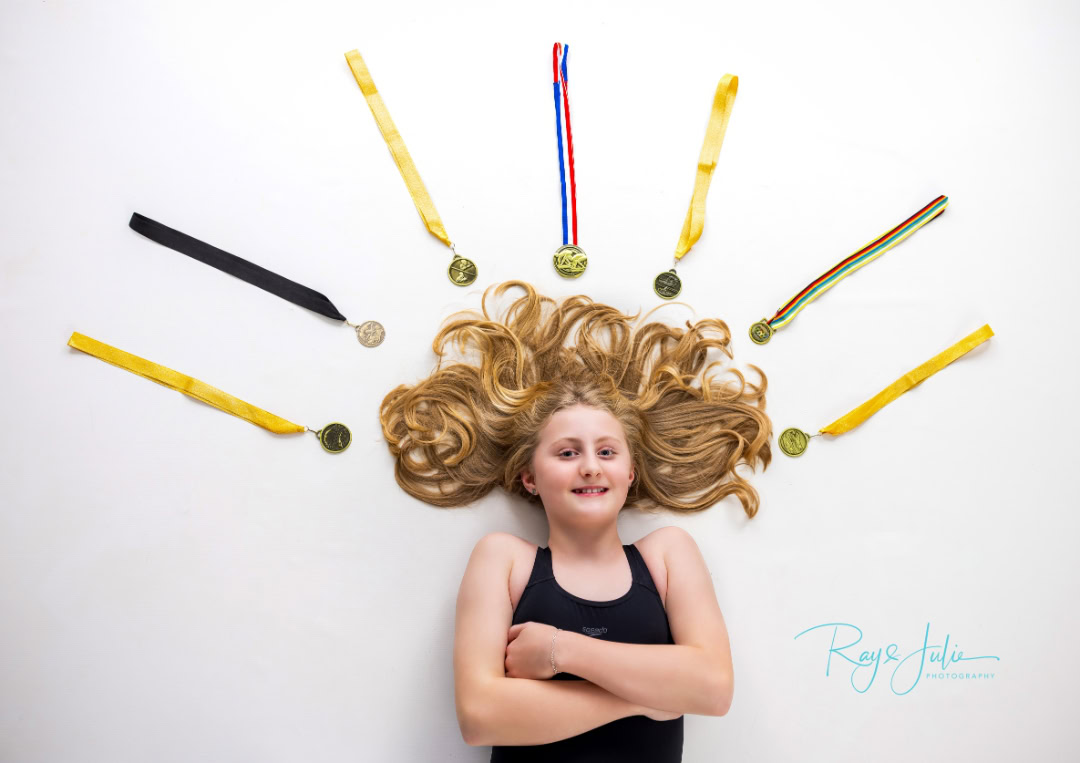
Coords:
pixel 541 570
pixel 641 570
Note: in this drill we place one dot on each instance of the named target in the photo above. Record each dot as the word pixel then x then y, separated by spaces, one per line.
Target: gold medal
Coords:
pixel 667 284
pixel 462 271
pixel 370 333
pixel 761 332
pixel 334 437
pixel 570 261
pixel 793 441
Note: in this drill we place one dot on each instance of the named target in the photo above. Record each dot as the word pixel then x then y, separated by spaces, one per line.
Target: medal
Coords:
pixel 762 331
pixel 334 437
pixel 462 270
pixel 569 260
pixel 267 280
pixel 668 284
pixel 794 441
pixel 370 333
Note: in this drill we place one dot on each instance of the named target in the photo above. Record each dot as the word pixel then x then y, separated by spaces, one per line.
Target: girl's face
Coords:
pixel 581 447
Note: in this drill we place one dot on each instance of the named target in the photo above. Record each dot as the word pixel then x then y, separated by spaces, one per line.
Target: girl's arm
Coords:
pixel 517 711
pixel 693 675
pixel 493 709
pixel 673 677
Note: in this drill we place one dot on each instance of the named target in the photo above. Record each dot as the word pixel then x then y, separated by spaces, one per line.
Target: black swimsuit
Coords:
pixel 636 617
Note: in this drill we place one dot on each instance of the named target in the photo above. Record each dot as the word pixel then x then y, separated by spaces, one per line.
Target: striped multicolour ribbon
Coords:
pixel 874 249
pixel 559 54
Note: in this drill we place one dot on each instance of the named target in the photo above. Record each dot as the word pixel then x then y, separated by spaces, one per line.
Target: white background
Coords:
pixel 179 585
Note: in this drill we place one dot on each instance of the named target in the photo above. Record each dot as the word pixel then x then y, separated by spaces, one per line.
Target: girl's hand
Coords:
pixel 528 651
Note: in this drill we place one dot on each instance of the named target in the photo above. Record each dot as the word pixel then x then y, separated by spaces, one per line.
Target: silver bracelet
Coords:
pixel 554 670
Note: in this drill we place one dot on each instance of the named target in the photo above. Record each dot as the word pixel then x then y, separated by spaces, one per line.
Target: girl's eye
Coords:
pixel 568 450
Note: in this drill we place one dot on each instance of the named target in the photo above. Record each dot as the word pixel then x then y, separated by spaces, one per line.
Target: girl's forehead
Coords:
pixel 582 423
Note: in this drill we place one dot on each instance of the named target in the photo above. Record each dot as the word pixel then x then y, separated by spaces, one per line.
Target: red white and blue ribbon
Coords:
pixel 559 54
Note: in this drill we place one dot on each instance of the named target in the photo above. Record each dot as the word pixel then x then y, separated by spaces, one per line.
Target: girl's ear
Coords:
pixel 527 480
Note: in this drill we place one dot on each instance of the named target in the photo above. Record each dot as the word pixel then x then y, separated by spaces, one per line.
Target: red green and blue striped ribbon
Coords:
pixel 559 55
pixel 874 249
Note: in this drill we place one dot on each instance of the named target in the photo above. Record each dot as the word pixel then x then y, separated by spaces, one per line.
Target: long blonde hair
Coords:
pixel 475 422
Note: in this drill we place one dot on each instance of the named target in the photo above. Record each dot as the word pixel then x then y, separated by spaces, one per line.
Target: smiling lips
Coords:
pixel 590 491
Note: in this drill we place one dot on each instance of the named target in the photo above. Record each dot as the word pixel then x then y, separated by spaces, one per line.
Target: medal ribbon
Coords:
pixel 559 55
pixel 857 416
pixel 185 384
pixel 871 251
pixel 424 205
pixel 236 266
pixel 723 100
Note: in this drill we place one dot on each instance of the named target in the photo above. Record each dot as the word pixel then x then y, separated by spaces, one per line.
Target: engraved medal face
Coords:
pixel 793 441
pixel 761 332
pixel 570 261
pixel 335 437
pixel 370 333
pixel 462 271
pixel 667 284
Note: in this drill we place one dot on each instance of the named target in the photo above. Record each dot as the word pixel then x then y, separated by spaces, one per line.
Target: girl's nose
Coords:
pixel 589 465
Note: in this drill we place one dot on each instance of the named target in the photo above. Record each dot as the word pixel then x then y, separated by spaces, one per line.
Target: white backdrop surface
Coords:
pixel 178 585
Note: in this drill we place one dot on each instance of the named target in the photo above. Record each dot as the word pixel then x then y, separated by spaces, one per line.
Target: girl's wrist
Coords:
pixel 566 643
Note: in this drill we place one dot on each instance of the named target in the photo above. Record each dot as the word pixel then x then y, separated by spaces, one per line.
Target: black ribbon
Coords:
pixel 265 279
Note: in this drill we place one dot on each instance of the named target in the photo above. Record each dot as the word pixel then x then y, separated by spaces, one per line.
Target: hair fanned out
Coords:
pixel 475 421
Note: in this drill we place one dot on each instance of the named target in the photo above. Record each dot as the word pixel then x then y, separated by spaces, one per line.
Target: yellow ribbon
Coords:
pixel 723 100
pixel 424 205
pixel 181 383
pixel 916 376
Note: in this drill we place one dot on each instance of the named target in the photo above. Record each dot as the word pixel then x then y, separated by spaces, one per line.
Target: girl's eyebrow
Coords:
pixel 576 441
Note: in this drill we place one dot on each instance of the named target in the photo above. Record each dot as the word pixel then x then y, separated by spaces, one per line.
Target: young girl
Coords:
pixel 586 649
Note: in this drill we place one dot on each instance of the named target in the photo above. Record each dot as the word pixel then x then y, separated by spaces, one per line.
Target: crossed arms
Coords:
pixel 694 675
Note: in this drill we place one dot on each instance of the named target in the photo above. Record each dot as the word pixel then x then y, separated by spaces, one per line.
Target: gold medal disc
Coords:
pixel 570 261
pixel 761 332
pixel 667 284
pixel 793 441
pixel 370 333
pixel 462 271
pixel 335 437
